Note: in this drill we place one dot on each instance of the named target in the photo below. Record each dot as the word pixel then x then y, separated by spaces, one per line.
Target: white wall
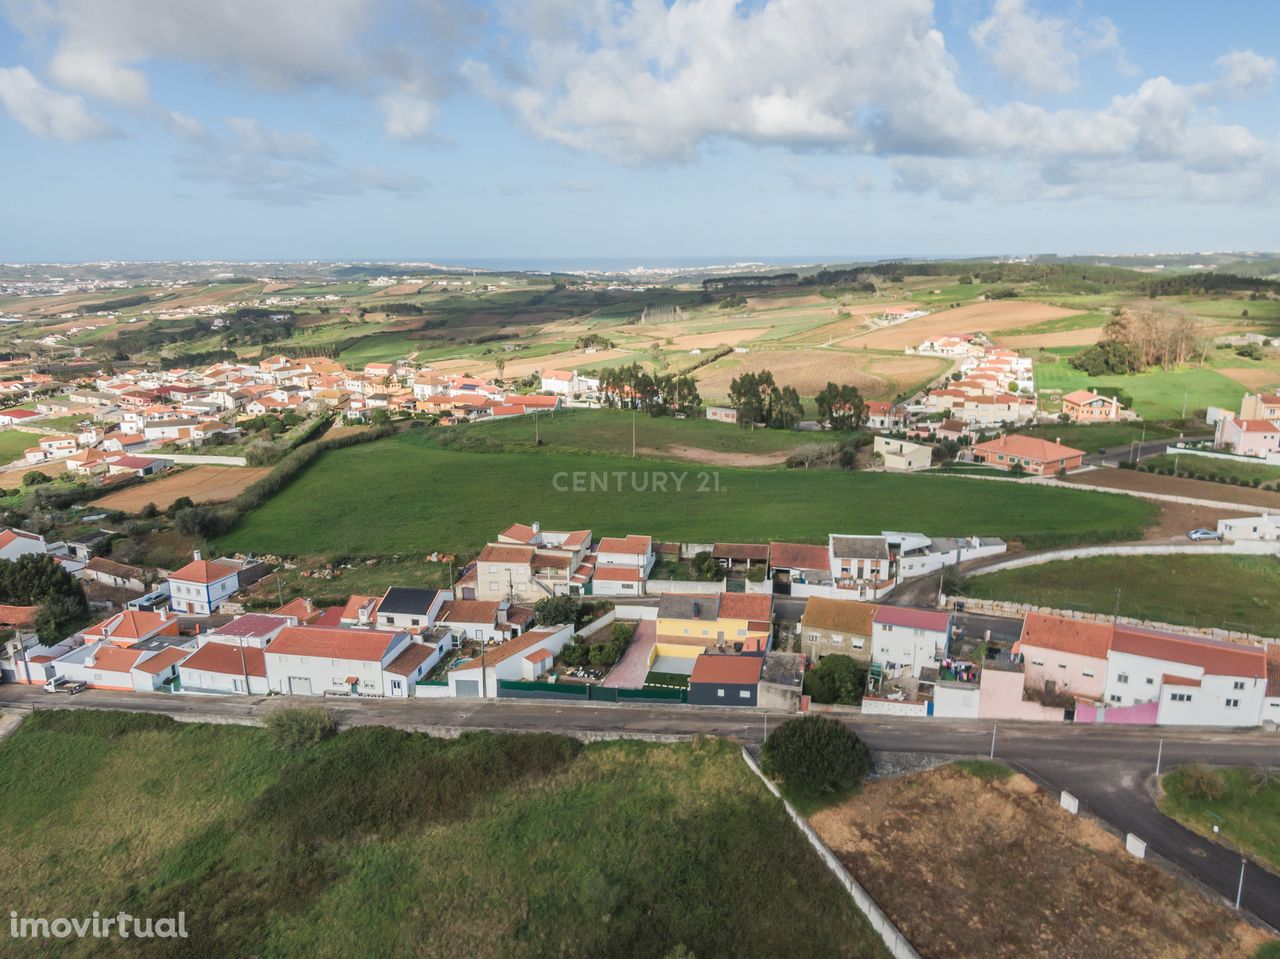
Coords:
pixel 956 702
pixel 200 681
pixel 329 674
pixel 888 707
pixel 1208 705
pixel 906 646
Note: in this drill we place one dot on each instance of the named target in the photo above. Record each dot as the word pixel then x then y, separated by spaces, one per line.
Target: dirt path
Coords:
pixel 695 454
pixel 970 868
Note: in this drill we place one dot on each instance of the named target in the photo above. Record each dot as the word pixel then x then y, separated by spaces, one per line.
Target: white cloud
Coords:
pixel 46 112
pixel 1033 50
pixel 96 73
pixel 1241 74
pixel 407 117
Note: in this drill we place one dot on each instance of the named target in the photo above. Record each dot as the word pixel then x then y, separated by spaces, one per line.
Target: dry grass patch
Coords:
pixel 201 484
pixel 1253 377
pixel 987 317
pixel 974 868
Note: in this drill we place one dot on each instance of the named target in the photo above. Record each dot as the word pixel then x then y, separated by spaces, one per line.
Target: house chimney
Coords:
pixel 1058 440
pixel 196 554
pixel 537 527
pixel 362 614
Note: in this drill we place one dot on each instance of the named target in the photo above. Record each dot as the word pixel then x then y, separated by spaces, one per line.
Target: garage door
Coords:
pixel 467 688
pixel 300 685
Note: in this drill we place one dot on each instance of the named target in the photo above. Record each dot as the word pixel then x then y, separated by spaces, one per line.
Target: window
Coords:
pixel 813 637
pixel 1238 684
pixel 395 685
pixel 1183 698
pixel 1114 698
pixel 1150 681
pixel 1062 665
pixel 1123 678
pixel 414 621
pixel 744 694
pixel 1087 674
pixel 1037 662
pixel 837 641
pixel 720 693
pixel 1233 704
pixel 855 644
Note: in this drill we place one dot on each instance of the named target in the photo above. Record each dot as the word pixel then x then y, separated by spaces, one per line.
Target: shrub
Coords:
pixel 816 756
pixel 836 679
pixel 297 727
pixel 34 478
pixel 1201 783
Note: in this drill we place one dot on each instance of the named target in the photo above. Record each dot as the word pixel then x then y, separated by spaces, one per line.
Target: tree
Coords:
pixel 178 505
pixel 836 679
pixel 554 610
pixel 500 364
pixel 34 478
pixel 785 409
pixel 379 418
pixel 814 756
pixel 36 580
pixel 750 394
pixel 841 407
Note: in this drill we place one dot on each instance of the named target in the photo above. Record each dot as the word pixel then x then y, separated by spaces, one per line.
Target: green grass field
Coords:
pixel 1091 437
pixel 1063 324
pixel 609 431
pixel 1210 466
pixel 1244 593
pixel 384 843
pixel 406 494
pixel 1247 812
pixel 1157 394
pixel 14 442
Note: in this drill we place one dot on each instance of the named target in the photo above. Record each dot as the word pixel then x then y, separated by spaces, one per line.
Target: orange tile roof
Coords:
pixel 798 556
pixel 504 651
pixel 414 655
pixel 367 645
pixel 113 659
pixel 204 571
pixel 226 658
pixel 719 668
pixel 1065 635
pixel 1171 680
pixel 617 574
pixel 1215 657
pixel 301 609
pixel 131 624
pixel 632 544
pixel 163 660
pixel 18 615
pixel 756 607
pixel 356 603
pixel 506 554
pixel 1028 447
pixel 468 611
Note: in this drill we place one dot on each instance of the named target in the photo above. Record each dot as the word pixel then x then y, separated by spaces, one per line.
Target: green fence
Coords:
pixel 579 692
pixel 653 694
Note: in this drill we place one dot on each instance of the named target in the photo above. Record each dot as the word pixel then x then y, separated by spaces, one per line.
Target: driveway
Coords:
pixel 634 665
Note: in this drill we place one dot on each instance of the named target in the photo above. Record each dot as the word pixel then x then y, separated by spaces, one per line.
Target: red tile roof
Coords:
pixel 798 556
pixel 505 651
pixel 18 615
pixel 300 609
pixel 367 645
pixel 718 668
pixel 1065 635
pixel 539 655
pixel 204 571
pixel 912 618
pixel 1215 657
pixel 1028 447
pixel 1171 680
pixel 757 607
pixel 12 535
pixel 632 545
pixel 468 611
pixel 163 660
pixel 131 624
pixel 113 659
pixel 617 574
pixel 506 554
pixel 226 658
pixel 414 655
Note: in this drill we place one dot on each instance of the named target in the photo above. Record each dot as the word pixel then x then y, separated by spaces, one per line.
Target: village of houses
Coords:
pixel 187 632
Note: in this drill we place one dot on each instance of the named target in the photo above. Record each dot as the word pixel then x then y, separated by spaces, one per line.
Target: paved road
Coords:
pixel 1106 767
pixel 1117 454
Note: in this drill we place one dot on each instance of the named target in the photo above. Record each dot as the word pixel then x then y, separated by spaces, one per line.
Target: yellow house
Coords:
pixel 740 620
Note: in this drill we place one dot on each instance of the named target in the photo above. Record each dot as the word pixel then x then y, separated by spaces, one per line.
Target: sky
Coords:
pixel 641 130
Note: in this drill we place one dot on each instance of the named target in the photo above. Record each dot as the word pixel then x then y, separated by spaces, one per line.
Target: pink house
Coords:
pixel 1002 698
pixel 1067 656
pixel 1247 437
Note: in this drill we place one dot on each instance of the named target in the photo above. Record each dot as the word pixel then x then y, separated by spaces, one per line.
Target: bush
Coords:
pixel 34 478
pixel 836 679
pixel 297 727
pixel 1201 783
pixel 815 756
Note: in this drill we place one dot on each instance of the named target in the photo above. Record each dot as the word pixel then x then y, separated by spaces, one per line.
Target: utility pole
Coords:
pixel 1240 886
pixel 633 431
pixel 1159 756
pixel 1119 590
pixel 1184 403
pixel 993 739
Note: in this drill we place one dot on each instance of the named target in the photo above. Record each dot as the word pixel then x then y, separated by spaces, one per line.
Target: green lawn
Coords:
pixel 380 348
pixel 1094 436
pixel 1247 812
pixel 609 431
pixel 1063 324
pixel 406 494
pixel 384 843
pixel 1157 394
pixel 1237 592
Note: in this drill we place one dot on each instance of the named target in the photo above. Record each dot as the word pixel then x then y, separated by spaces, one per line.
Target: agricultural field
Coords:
pixel 1244 593
pixel 992 318
pixel 1243 803
pixel 200 484
pixel 974 861
pixel 1091 437
pixel 1220 470
pixel 878 376
pixel 394 844
pixel 1157 394
pixel 13 443
pixel 408 494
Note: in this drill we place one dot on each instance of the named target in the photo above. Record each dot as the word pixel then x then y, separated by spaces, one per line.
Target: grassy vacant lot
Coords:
pixel 13 443
pixel 1238 592
pixel 1091 437
pixel 406 494
pixel 1215 468
pixel 1157 394
pixel 609 431
pixel 1242 802
pixel 384 843
pixel 980 864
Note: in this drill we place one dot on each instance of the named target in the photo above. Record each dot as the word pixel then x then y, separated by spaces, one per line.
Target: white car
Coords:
pixel 1203 534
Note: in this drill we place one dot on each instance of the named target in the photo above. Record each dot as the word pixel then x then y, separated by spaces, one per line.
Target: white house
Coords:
pixel 568 382
pixel 861 567
pixel 223 667
pixel 622 565
pixel 909 638
pixel 901 456
pixel 1265 527
pixel 479 677
pixel 403 607
pixel 201 586
pixel 252 629
pixel 131 669
pixel 17 542
pixel 320 660
pixel 489 621
pixel 1195 681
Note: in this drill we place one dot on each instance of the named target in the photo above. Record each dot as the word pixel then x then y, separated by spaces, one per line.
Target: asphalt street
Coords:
pixel 1136 451
pixel 1106 767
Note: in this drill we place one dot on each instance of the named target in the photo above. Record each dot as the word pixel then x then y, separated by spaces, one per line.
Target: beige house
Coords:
pixel 901 456
pixel 836 626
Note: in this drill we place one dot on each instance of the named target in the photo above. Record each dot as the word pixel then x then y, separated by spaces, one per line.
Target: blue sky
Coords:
pixel 429 129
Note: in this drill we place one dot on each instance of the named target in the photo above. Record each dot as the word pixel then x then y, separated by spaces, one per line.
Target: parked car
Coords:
pixel 1203 534
pixel 60 684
